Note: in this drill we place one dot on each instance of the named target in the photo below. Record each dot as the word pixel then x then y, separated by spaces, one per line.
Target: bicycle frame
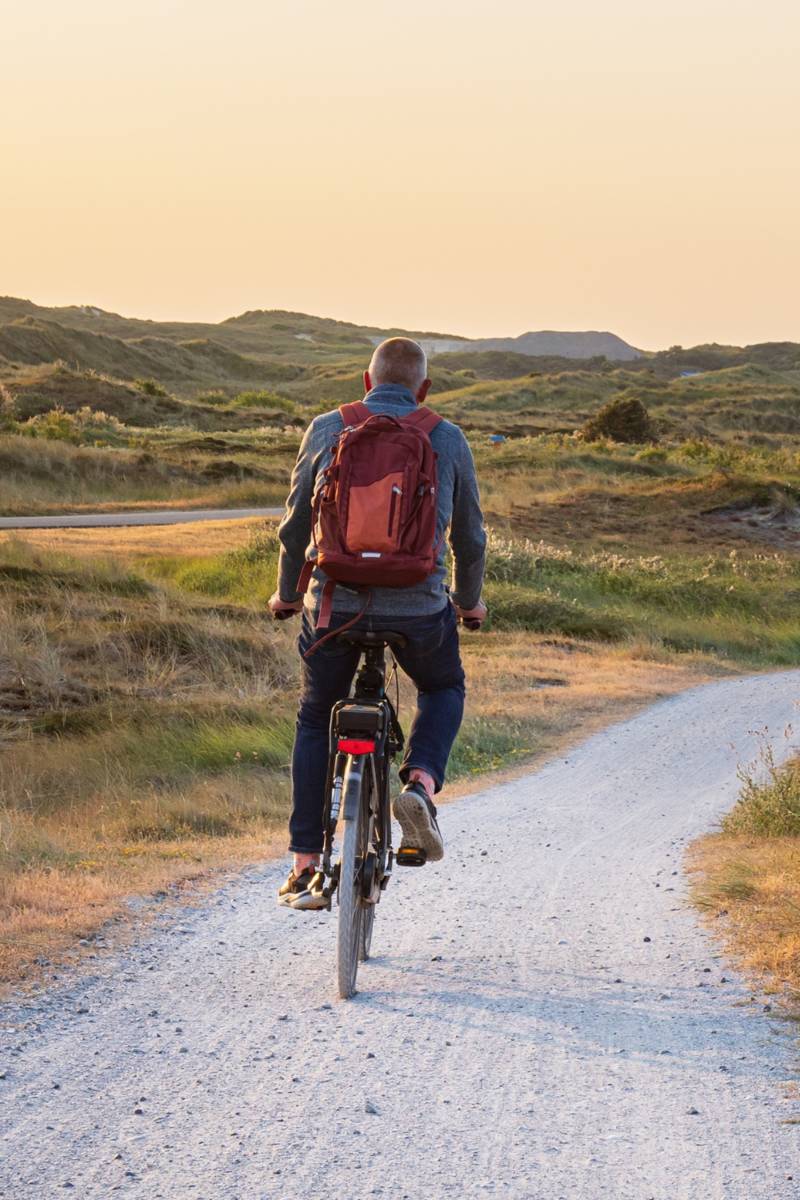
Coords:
pixel 365 734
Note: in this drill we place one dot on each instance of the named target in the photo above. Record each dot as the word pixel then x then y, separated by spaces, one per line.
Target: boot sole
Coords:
pixel 314 905
pixel 414 819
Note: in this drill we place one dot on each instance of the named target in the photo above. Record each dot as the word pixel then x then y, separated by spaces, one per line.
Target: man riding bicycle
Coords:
pixel 425 612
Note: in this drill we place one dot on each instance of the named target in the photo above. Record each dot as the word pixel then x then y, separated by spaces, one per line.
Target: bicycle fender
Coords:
pixel 353 775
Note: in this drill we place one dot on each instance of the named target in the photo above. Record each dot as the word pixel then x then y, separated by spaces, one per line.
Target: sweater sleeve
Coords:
pixel 294 531
pixel 467 532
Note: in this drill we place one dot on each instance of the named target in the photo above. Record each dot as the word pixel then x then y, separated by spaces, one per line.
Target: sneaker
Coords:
pixel 303 891
pixel 416 815
pixel 313 897
pixel 295 885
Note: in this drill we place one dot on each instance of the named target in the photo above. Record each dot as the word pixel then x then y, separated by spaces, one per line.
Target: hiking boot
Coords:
pixel 416 814
pixel 303 891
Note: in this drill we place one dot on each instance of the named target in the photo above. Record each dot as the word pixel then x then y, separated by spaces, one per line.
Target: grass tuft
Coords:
pixel 769 802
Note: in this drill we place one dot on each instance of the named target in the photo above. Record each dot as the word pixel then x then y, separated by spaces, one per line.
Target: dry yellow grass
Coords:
pixel 750 889
pixel 190 539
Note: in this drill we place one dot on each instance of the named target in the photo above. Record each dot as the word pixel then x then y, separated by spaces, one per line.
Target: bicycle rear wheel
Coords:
pixel 350 930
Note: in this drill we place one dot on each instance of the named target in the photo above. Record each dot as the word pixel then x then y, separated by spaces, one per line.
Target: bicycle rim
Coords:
pixel 349 939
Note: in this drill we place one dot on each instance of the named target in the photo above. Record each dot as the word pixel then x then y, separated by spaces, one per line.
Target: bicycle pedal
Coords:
pixel 408 856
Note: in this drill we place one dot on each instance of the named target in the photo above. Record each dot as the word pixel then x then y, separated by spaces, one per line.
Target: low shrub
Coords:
pixel 79 428
pixel 150 387
pixel 621 420
pixel 769 802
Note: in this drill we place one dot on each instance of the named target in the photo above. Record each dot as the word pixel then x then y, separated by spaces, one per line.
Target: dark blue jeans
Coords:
pixel 430 658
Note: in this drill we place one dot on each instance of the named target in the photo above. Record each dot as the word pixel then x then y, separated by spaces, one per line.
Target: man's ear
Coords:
pixel 367 382
pixel 423 390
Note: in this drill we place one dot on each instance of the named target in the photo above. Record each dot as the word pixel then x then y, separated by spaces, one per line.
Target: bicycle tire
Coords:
pixel 351 906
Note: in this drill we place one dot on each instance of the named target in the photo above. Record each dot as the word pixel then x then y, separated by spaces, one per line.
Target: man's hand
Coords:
pixel 283 609
pixel 473 618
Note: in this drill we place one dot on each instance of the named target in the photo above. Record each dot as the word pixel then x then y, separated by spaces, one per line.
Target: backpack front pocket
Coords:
pixel 374 514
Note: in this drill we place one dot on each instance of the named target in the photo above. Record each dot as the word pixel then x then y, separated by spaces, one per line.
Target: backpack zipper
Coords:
pixel 396 491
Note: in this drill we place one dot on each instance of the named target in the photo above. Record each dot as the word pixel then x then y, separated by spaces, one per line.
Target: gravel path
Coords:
pixel 159 516
pixel 562 1029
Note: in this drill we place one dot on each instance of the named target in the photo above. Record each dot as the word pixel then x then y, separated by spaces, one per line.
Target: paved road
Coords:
pixel 545 1018
pixel 175 516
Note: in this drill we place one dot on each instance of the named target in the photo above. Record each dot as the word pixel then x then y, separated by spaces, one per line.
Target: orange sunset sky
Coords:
pixel 477 168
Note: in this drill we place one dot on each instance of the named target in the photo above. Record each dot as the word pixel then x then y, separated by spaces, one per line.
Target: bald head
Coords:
pixel 398 360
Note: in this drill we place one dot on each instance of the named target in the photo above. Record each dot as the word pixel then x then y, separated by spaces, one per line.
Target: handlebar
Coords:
pixel 283 614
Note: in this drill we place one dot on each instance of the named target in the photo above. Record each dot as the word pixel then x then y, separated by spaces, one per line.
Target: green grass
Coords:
pixel 242 576
pixel 487 744
pixel 739 606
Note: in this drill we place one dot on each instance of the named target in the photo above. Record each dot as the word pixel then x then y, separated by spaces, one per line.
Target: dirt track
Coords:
pixel 545 1018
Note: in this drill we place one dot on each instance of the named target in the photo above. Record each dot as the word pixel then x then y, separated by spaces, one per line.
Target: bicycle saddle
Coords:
pixel 365 638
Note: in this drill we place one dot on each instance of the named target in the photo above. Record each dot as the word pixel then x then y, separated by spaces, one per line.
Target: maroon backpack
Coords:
pixel 374 508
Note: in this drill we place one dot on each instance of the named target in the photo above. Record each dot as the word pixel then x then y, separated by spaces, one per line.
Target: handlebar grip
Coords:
pixel 472 625
pixel 283 614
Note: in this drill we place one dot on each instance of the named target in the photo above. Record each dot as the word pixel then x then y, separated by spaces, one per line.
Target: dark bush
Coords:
pixel 620 420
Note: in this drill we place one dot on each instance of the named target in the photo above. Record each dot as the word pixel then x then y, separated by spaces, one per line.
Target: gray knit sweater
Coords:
pixel 459 511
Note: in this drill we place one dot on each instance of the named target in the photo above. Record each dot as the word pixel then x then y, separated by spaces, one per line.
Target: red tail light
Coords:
pixel 356 746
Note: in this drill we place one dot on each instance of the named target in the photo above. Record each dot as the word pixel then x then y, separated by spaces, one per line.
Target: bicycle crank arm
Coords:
pixel 331 883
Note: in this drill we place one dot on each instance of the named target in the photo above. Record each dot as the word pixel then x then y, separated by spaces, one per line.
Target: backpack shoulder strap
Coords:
pixel 424 418
pixel 354 414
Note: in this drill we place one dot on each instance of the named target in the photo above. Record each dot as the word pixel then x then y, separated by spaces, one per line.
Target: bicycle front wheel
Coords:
pixel 350 931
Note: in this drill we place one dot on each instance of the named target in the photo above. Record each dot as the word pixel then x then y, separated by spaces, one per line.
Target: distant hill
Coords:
pixel 47 355
pixel 254 346
pixel 563 345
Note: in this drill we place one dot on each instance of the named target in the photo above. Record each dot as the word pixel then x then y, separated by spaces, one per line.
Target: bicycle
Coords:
pixel 365 736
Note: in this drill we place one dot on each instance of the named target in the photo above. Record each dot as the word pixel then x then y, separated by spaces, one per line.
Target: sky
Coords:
pixel 463 167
